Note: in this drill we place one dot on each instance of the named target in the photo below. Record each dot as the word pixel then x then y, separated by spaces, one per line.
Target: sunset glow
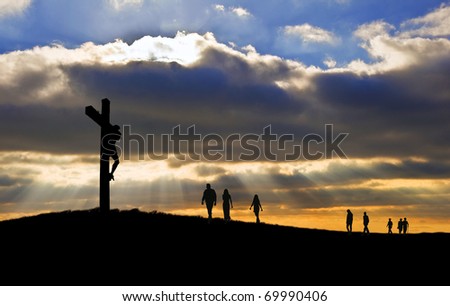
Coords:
pixel 315 110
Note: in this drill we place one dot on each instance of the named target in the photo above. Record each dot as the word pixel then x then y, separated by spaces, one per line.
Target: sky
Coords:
pixel 317 106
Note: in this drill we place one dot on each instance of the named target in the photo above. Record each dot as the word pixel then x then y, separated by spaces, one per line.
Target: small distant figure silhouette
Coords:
pixel 210 198
pixel 227 204
pixel 110 140
pixel 256 204
pixel 349 220
pixel 389 226
pixel 405 225
pixel 400 226
pixel 366 223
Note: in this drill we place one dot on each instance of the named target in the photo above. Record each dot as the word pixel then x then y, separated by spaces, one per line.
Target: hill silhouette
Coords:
pixel 138 248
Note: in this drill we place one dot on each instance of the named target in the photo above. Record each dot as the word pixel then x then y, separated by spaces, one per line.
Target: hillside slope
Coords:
pixel 152 248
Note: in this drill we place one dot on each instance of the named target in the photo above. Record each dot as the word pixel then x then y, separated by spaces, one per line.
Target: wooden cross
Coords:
pixel 103 121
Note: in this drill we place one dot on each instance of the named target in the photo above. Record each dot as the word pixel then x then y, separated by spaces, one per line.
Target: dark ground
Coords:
pixel 133 248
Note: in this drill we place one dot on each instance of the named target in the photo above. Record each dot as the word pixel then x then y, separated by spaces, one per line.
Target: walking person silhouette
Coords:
pixel 349 221
pixel 256 204
pixel 389 226
pixel 400 226
pixel 227 204
pixel 405 225
pixel 366 223
pixel 210 198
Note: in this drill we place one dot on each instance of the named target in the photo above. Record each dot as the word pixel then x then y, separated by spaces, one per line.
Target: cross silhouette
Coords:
pixel 103 120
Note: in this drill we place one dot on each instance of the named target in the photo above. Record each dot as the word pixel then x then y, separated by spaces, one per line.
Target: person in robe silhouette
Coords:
pixel 256 204
pixel 400 226
pixel 349 220
pixel 227 204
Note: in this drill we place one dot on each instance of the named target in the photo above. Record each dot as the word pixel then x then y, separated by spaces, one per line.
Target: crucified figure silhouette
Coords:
pixel 110 140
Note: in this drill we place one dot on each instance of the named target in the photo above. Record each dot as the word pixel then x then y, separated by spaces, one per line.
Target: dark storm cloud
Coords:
pixel 8 181
pixel 412 169
pixel 342 174
pixel 168 94
pixel 322 198
pixel 47 129
pixel 205 170
pixel 154 98
pixel 150 97
pixel 397 114
pixel 381 113
pixel 11 194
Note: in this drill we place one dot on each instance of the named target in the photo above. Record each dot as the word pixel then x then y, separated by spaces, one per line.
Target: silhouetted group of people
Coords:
pixel 349 222
pixel 402 225
pixel 210 199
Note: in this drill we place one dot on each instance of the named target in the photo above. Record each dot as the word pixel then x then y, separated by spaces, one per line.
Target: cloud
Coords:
pixel 236 11
pixel 330 62
pixel 417 42
pixel 395 51
pixel 394 112
pixel 8 181
pixel 13 7
pixel 386 113
pixel 41 70
pixel 48 87
pixel 219 7
pixel 434 24
pixel 120 4
pixel 128 20
pixel 295 185
pixel 310 34
pixel 373 29
pixel 205 170
pixel 240 11
pixel 387 106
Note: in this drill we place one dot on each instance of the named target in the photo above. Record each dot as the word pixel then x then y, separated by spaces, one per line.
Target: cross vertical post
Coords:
pixel 102 119
pixel 104 159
